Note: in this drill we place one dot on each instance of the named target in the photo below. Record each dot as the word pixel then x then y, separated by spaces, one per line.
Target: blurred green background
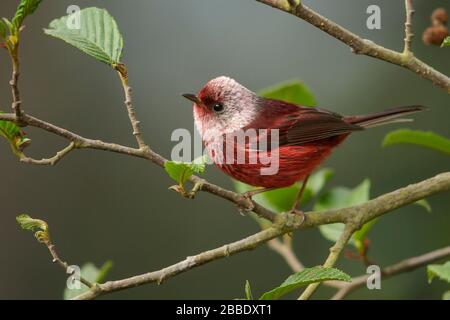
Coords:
pixel 106 206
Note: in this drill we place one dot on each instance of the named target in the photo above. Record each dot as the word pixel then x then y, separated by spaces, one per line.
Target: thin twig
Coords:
pixel 146 153
pixel 354 217
pixel 135 123
pixel 335 251
pixel 14 83
pixel 286 252
pixel 64 265
pixel 50 161
pixel 360 45
pixel 406 265
pixel 408 27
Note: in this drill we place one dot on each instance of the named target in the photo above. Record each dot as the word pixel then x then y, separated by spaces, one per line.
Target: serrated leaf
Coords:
pixel 7 34
pixel 98 35
pixel 424 204
pixel 442 271
pixel 178 171
pixel 182 171
pixel 3 29
pixel 38 226
pixel 425 139
pixel 28 223
pixel 341 197
pixel 248 291
pixel 16 137
pixel 91 273
pixel 8 24
pixel 25 8
pixel 199 164
pixel 305 277
pixel 293 92
pixel 446 42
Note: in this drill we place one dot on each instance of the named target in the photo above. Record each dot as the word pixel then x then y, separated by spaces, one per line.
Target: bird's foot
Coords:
pixel 245 204
pixel 250 194
pixel 299 213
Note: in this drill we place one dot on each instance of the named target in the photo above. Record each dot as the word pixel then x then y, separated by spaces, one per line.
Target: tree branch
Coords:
pixel 408 27
pixel 135 123
pixel 64 265
pixel 354 217
pixel 395 269
pixel 14 83
pixel 335 251
pixel 50 161
pixel 284 249
pixel 360 45
pixel 145 153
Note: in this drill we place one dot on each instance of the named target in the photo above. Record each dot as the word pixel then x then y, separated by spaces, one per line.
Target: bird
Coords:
pixel 306 135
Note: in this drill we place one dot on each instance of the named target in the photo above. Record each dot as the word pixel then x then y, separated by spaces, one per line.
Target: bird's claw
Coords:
pixel 299 213
pixel 245 203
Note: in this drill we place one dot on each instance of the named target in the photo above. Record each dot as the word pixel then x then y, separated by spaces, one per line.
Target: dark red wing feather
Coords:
pixel 299 125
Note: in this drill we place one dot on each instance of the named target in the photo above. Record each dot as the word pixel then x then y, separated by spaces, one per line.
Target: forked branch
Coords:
pixel 363 46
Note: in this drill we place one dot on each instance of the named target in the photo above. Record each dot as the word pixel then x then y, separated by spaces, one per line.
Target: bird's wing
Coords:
pixel 299 125
pixel 312 125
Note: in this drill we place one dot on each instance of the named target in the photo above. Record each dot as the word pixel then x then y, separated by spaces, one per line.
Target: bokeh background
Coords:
pixel 106 206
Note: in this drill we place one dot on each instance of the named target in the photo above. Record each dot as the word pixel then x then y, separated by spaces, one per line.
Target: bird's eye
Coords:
pixel 218 107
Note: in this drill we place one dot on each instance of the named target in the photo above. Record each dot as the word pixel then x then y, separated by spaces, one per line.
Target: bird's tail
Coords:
pixel 384 117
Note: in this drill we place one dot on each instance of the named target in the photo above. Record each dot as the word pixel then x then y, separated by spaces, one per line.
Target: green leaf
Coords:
pixel 104 270
pixel 318 180
pixel 8 25
pixel 14 135
pixel 359 237
pixel 25 8
pixel 442 271
pixel 426 139
pixel 40 226
pixel 279 200
pixel 293 91
pixel 3 29
pixel 248 291
pixel 446 295
pixel 28 223
pixel 424 204
pixel 446 42
pixel 282 199
pixel 91 273
pixel 303 278
pixel 341 197
pixel 98 35
pixel 333 231
pixel 181 171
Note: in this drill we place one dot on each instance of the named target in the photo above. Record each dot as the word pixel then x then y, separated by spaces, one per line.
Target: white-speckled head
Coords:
pixel 225 106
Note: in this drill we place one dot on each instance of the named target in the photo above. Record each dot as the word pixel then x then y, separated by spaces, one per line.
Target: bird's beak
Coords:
pixel 192 97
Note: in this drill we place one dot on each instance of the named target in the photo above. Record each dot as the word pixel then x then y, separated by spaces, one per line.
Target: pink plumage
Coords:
pixel 306 135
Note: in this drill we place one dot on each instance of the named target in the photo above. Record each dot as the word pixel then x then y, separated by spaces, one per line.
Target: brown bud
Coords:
pixel 435 35
pixel 439 16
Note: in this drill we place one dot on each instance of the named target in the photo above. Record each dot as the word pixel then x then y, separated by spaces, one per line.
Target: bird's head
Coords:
pixel 222 106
